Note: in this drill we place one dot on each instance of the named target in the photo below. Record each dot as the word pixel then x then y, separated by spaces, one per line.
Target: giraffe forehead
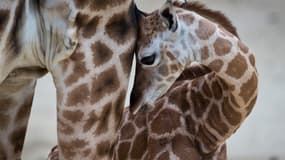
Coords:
pixel 150 28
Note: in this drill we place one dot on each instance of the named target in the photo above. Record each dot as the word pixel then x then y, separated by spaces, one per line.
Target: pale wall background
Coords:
pixel 261 24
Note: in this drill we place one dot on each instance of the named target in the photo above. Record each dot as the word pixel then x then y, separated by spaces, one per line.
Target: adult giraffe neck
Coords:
pixel 91 84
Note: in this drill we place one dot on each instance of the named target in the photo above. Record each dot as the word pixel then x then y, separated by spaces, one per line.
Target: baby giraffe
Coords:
pixel 194 118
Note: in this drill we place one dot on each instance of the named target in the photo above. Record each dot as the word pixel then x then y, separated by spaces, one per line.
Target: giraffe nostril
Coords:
pixel 148 60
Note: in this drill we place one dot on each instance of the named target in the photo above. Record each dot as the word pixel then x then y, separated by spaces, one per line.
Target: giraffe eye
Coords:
pixel 148 60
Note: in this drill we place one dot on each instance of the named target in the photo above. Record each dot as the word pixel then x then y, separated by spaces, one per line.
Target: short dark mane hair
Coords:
pixel 216 16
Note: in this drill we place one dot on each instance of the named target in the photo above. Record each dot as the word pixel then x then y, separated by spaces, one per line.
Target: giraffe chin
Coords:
pixel 142 103
pixel 136 102
pixel 141 108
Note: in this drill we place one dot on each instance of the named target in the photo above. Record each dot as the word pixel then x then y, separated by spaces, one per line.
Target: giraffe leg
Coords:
pixel 16 96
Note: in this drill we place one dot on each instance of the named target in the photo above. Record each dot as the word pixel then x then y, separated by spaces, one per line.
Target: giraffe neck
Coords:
pixel 16 96
pixel 91 85
pixel 232 85
pixel 221 52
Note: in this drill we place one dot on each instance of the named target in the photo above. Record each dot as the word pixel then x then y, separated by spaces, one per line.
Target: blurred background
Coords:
pixel 261 25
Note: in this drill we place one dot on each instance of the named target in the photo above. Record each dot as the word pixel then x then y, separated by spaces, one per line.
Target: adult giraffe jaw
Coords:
pixel 42 36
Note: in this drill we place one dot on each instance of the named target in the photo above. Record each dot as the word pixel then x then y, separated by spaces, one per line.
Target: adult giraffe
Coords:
pixel 91 83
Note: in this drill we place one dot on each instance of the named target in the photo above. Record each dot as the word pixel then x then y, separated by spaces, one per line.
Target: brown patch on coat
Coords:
pixel 200 103
pixel 155 146
pixel 66 150
pixel 127 59
pixel 79 143
pixel 206 90
pixel 139 145
pixel 216 65
pixel 73 116
pixel 64 127
pixel 90 28
pixel 237 67
pixel 25 110
pixel 179 98
pixel 233 117
pixel 222 46
pixel 78 96
pixel 215 16
pixel 251 105
pixel 167 121
pixel 140 120
pixel 120 27
pixel 91 121
pixel 103 148
pixel 103 124
pixel 4 18
pixel 190 124
pixel 119 108
pixel 4 121
pixel 123 151
pixel 215 120
pixel 81 3
pixel 174 68
pixel 3 152
pixel 183 148
pixel 163 70
pixel 205 53
pixel 70 149
pixel 248 88
pixel 101 53
pixel 205 30
pixel 5 105
pixel 127 131
pixel 217 90
pixel 193 72
pixel 171 56
pixel 208 139
pixel 81 20
pixel 17 138
pixel 79 68
pixel 105 83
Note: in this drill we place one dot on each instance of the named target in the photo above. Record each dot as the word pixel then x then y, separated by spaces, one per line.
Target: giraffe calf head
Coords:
pixel 159 62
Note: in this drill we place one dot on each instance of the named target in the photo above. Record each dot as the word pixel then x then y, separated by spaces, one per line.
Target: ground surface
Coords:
pixel 262 26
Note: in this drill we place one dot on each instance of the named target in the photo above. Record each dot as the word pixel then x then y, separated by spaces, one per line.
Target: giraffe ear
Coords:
pixel 168 14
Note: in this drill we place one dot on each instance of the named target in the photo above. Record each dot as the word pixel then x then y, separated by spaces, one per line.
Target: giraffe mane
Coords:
pixel 216 16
